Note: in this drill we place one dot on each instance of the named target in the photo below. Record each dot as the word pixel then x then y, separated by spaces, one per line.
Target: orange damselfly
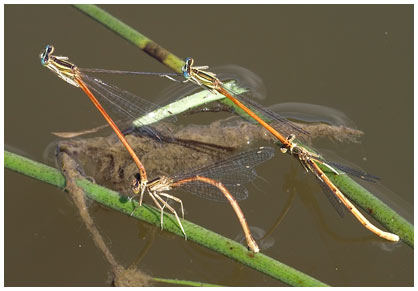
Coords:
pixel 285 131
pixel 71 74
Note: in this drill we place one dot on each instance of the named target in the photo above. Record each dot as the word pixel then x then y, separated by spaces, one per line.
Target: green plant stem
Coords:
pixel 133 36
pixel 33 169
pixel 151 215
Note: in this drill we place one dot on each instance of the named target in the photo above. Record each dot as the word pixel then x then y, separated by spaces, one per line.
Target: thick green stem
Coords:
pixel 33 169
pixel 151 215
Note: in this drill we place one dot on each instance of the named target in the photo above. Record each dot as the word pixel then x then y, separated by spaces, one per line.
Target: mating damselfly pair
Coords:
pixel 225 179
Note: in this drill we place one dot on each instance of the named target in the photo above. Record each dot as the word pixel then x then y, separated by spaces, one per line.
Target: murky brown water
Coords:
pixel 356 59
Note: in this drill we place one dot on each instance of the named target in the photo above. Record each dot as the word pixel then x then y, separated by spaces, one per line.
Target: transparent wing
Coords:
pixel 125 106
pixel 334 200
pixel 354 172
pixel 233 172
pixel 239 166
pixel 278 122
pixel 210 192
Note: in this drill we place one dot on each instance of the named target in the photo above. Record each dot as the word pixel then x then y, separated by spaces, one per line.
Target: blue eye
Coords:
pixel 43 57
pixel 185 70
pixel 49 49
pixel 185 74
pixel 189 61
pixel 187 66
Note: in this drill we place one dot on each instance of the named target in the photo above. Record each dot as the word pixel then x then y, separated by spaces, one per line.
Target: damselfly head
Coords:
pixel 136 184
pixel 187 67
pixel 135 187
pixel 49 49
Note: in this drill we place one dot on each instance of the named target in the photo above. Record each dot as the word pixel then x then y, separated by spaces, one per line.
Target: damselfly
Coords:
pixel 285 133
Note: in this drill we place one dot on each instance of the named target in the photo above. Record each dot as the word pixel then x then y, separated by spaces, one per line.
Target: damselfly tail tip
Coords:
pixel 253 247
